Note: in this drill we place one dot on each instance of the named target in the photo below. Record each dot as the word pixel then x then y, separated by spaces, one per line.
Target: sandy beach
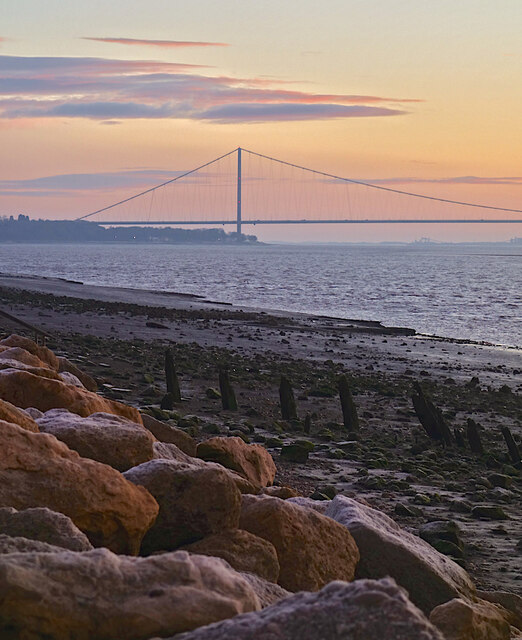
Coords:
pixel 119 336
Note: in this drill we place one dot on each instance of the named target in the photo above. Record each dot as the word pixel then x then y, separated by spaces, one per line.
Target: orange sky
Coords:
pixel 426 93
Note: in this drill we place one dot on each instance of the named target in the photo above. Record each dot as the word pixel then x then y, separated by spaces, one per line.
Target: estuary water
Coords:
pixel 459 291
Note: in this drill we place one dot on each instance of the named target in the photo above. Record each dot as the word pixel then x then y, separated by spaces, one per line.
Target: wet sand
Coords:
pixel 119 336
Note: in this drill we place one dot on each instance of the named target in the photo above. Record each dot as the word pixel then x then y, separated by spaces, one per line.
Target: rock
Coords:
pixel 465 620
pixel 388 550
pixel 312 550
pixel 16 365
pixel 113 440
pixel 194 501
pixel 168 451
pixel 489 512
pixel 267 592
pixel 37 470
pixel 8 544
pixel 44 525
pixel 280 492
pixel 41 352
pixel 296 452
pixel 165 432
pixel 511 602
pixel 21 355
pixel 34 413
pixel 101 595
pixel 252 461
pixel 437 530
pixel 10 413
pixel 500 480
pixel 71 379
pixel 66 366
pixel 309 503
pixel 25 389
pixel 362 610
pixel 242 550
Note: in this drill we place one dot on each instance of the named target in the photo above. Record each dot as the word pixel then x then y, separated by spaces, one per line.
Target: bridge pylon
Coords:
pixel 238 211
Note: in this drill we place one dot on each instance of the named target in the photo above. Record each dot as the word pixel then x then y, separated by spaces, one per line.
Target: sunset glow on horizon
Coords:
pixel 99 101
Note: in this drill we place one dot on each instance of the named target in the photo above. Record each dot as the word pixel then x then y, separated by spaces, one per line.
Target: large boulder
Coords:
pixel 37 470
pixel 113 440
pixel 41 352
pixel 165 432
pixel 461 619
pixel 10 413
pixel 388 550
pixel 66 366
pixel 44 525
pixel 169 451
pixel 43 372
pixel 100 595
pixel 194 501
pixel 362 610
pixel 25 389
pixel 8 544
pixel 312 549
pixel 242 550
pixel 23 356
pixel 252 461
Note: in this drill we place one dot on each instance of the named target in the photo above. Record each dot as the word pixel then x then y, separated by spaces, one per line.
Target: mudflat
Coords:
pixel 119 336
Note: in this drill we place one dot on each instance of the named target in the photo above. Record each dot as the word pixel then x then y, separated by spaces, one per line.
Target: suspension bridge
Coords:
pixel 243 187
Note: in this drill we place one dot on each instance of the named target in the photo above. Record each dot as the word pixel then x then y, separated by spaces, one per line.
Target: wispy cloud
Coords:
pixel 66 184
pixel 165 44
pixel 476 180
pixel 113 90
pixel 292 111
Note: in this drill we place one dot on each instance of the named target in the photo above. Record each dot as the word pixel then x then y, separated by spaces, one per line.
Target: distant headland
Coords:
pixel 24 229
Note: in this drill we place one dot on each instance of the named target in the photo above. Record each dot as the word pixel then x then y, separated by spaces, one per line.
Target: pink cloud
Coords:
pixel 105 89
pixel 166 44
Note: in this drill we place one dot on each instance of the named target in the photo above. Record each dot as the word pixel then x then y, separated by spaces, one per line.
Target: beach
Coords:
pixel 119 336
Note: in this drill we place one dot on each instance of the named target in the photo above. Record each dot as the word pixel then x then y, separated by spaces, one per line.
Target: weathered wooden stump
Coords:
pixel 513 449
pixel 228 396
pixel 350 417
pixel 172 377
pixel 473 435
pixel 287 400
pixel 430 416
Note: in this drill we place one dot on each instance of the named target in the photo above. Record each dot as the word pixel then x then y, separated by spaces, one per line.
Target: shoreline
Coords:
pixel 191 301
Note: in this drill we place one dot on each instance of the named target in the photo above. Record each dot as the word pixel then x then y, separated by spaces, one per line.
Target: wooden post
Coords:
pixel 287 400
pixel 430 416
pixel 350 417
pixel 228 397
pixel 514 452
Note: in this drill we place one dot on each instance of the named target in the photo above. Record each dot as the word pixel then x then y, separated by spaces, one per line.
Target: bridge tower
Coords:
pixel 238 212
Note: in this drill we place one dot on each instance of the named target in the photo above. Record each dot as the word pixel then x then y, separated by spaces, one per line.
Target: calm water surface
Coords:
pixel 459 291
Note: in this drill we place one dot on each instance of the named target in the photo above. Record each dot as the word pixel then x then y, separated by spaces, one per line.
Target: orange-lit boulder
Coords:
pixel 25 389
pixel 312 549
pixel 41 352
pixel 10 413
pixel 252 461
pixel 37 470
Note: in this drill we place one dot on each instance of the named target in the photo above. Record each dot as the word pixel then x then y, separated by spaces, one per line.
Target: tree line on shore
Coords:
pixel 24 229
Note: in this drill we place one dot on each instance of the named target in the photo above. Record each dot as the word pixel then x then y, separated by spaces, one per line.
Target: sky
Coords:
pixel 101 100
